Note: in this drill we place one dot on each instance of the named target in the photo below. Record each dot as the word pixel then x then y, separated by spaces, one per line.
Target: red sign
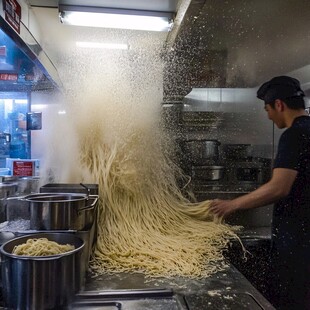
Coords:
pixel 23 168
pixel 8 77
pixel 13 13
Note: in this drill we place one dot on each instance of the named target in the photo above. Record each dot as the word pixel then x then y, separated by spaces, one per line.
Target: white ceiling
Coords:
pixel 259 38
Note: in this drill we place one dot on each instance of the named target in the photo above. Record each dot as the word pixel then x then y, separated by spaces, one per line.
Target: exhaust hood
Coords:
pixel 24 66
pixel 238 44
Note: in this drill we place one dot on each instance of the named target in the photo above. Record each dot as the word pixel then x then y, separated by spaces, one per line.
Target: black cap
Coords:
pixel 280 87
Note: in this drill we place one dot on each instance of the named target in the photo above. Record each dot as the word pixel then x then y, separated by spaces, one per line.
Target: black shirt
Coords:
pixel 290 250
pixel 291 215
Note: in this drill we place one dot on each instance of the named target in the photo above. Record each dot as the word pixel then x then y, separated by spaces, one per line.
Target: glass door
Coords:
pixel 14 137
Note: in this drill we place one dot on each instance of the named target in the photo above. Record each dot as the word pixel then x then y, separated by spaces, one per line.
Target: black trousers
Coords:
pixel 289 280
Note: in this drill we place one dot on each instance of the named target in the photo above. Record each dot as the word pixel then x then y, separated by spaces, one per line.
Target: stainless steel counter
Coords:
pixel 227 289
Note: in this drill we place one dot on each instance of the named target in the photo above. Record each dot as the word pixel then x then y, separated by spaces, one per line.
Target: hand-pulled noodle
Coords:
pixel 41 247
pixel 144 223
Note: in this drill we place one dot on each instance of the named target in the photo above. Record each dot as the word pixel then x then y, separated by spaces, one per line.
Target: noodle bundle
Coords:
pixel 145 224
pixel 41 247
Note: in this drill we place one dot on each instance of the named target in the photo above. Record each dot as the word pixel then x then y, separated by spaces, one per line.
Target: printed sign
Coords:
pixel 23 168
pixel 13 13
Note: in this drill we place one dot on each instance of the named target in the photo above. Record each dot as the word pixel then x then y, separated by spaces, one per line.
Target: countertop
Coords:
pixel 227 289
pixel 263 232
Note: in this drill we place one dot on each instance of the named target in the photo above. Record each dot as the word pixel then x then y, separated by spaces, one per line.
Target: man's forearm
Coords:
pixel 264 195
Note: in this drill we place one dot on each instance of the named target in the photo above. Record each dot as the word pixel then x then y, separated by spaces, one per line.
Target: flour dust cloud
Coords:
pixel 111 135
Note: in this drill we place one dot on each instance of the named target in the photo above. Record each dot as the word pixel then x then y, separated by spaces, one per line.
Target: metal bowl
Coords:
pixel 43 282
pixel 209 173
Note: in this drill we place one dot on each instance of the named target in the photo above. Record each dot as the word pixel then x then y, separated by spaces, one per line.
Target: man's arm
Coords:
pixel 278 187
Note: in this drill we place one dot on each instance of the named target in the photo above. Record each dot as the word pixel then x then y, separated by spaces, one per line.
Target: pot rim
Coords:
pixel 209 167
pixel 40 258
pixel 204 140
pixel 39 197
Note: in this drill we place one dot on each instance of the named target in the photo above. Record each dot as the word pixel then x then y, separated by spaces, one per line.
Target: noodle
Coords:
pixel 113 138
pixel 144 222
pixel 41 247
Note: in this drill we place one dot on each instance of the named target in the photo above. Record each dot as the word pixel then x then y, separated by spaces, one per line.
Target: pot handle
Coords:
pixel 87 189
pixel 92 205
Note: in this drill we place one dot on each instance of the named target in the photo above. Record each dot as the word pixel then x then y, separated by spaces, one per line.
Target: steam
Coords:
pixel 115 92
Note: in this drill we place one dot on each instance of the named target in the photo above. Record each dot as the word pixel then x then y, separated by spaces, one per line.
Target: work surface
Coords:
pixel 227 289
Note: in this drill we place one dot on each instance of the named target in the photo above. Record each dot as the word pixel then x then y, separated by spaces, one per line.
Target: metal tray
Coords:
pixel 137 299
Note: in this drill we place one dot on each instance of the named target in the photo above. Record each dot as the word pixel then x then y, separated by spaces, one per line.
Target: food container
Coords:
pixel 200 151
pixel 44 282
pixel 88 236
pixel 60 211
pixel 209 173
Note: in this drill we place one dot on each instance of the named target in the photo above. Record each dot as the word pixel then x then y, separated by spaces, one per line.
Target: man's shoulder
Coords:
pixel 294 135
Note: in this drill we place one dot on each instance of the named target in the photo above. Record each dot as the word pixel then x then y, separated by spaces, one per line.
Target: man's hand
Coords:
pixel 222 208
pixel 278 187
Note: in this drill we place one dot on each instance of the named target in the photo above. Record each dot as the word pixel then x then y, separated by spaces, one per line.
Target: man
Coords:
pixel 289 189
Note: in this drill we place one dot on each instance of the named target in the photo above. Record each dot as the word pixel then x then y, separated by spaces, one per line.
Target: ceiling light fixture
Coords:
pixel 115 18
pixel 112 46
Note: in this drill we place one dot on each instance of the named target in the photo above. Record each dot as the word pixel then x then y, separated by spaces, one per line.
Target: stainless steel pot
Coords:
pixel 46 282
pixel 209 173
pixel 28 185
pixel 200 151
pixel 60 211
pixel 7 189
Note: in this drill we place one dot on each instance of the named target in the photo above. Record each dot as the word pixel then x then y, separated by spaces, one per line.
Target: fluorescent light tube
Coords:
pixel 114 18
pixel 117 46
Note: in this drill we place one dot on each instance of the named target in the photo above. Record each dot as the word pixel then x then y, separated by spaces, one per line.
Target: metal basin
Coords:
pixel 46 282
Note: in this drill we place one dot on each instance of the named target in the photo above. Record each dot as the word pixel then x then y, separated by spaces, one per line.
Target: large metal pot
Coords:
pixel 60 211
pixel 28 185
pixel 200 151
pixel 7 189
pixel 43 282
